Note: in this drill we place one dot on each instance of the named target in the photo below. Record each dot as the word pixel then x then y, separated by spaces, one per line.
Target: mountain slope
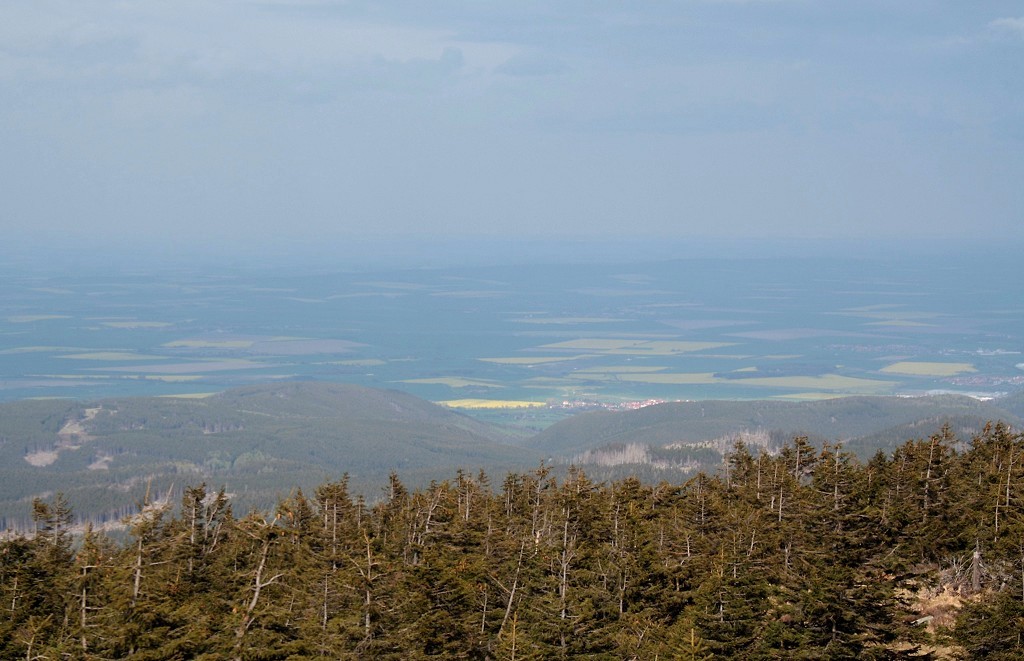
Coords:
pixel 1014 403
pixel 261 442
pixel 846 419
pixel 257 442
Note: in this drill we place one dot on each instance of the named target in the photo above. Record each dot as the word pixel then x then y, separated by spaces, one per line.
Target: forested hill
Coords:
pixel 863 424
pixel 262 442
pixel 804 553
pixel 258 442
pixel 1014 403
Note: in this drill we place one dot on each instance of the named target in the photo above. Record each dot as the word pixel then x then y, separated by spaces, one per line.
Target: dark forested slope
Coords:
pixel 1014 403
pixel 807 552
pixel 847 419
pixel 262 441
pixel 259 442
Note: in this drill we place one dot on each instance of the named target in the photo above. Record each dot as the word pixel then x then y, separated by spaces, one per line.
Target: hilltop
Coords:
pixel 258 442
pixel 864 424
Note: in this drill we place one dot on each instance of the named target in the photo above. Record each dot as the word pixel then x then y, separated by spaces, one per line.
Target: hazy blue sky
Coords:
pixel 279 120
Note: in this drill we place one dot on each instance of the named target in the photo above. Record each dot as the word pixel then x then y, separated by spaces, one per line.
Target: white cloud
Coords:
pixel 1014 25
pixel 149 40
pixel 481 114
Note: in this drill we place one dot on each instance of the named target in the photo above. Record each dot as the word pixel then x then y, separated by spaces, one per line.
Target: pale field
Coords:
pixel 809 396
pixel 101 463
pixel 730 356
pixel 645 351
pixel 17 350
pixel 29 318
pixel 455 382
pixel 51 290
pixel 900 323
pixel 823 383
pixel 191 395
pixel 491 404
pixel 136 324
pixel 209 344
pixel 567 320
pixel 112 356
pixel 621 369
pixel 593 344
pixel 531 360
pixel 633 347
pixel 166 378
pixel 186 368
pixel 359 362
pixel 915 368
pixel 41 458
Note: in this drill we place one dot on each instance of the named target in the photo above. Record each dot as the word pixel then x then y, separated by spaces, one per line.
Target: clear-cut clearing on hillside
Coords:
pixel 70 437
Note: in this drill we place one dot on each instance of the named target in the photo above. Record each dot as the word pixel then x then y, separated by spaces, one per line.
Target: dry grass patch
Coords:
pixel 621 369
pixel 40 349
pixel 29 318
pixel 210 344
pixel 567 320
pixel 359 362
pixel 491 404
pixel 592 344
pixel 920 368
pixel 112 356
pixel 136 324
pixel 632 347
pixel 530 360
pixel 188 368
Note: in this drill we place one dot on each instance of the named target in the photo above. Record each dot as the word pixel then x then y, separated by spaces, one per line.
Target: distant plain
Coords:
pixel 686 329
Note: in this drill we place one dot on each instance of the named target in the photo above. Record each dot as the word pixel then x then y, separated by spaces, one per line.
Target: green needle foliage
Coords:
pixel 803 553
